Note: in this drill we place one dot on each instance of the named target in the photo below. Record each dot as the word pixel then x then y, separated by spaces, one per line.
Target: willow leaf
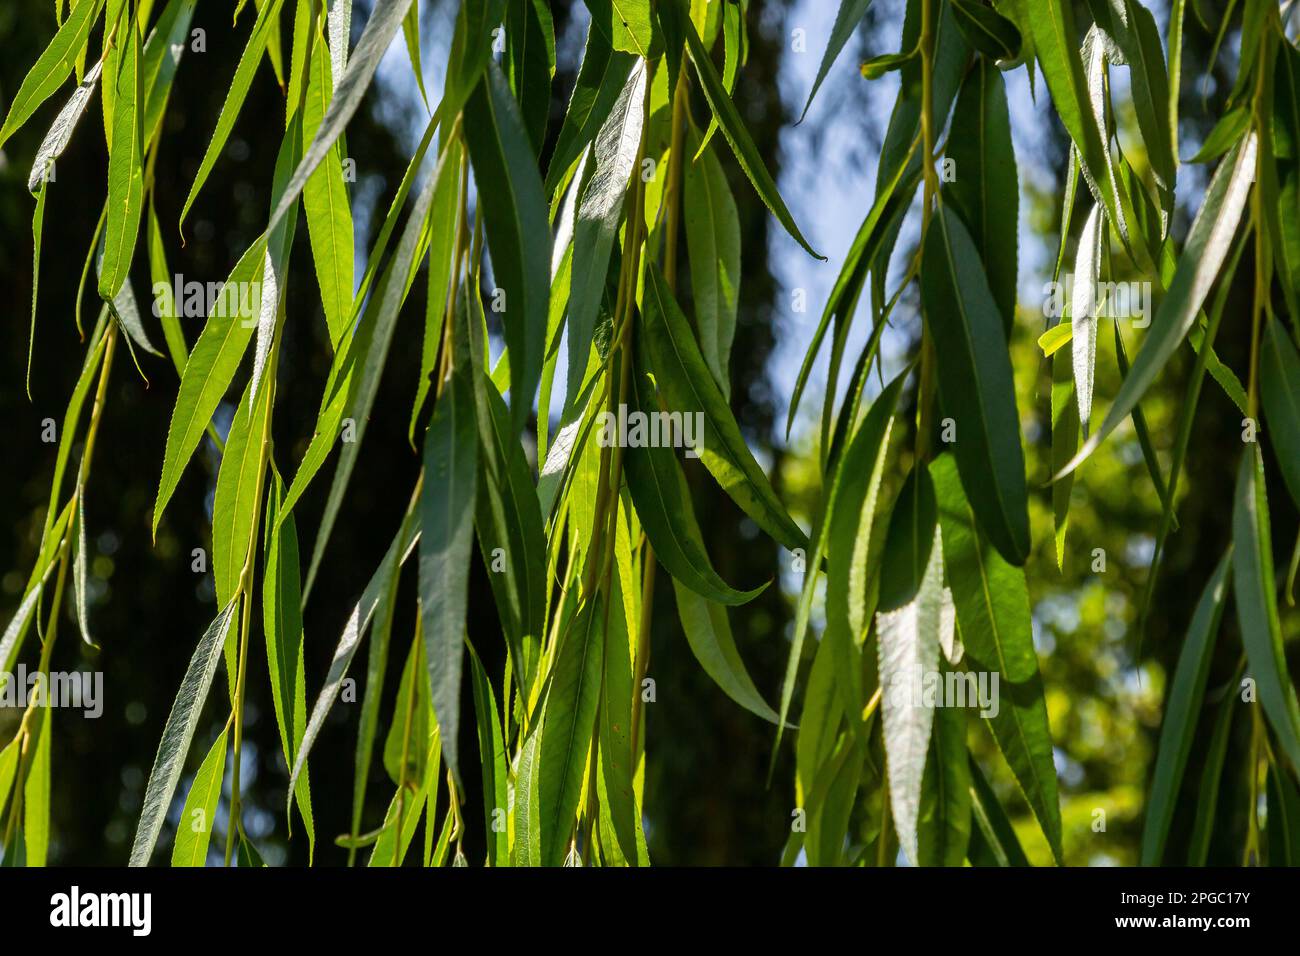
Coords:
pixel 908 540
pixel 442 237
pixel 199 815
pixel 992 827
pixel 125 174
pixel 991 601
pixel 976 386
pixel 851 572
pixel 908 640
pixel 362 363
pixel 1178 729
pixel 36 793
pixel 568 729
pixel 1207 804
pixel 1208 243
pixel 663 504
pixel 627 24
pixel 601 78
pixel 162 56
pixel 447 523
pixel 329 217
pixel 210 368
pixel 713 247
pixel 233 517
pixel 599 211
pixel 621 835
pixel 708 632
pixel 492 761
pixel 518 230
pixel 689 387
pixel 1051 25
pixel 530 63
pixel 61 130
pixel 848 17
pixel 733 128
pixel 52 66
pixel 282 625
pixel 985 192
pixel 268 18
pixel 986 30
pixel 733 34
pixel 944 826
pixel 385 18
pixel 508 521
pixel 1279 381
pixel 1084 308
pixel 353 631
pixel 178 733
pixel 1255 589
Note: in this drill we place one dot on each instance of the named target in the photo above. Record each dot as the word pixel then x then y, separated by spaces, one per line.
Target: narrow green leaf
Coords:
pixel 530 63
pixel 518 230
pixel 733 33
pixel 601 78
pixel 992 827
pixel 1255 589
pixel 733 128
pixel 233 517
pixel 1207 246
pixel 36 794
pixel 1279 387
pixel 447 523
pixel 992 606
pixel 1178 729
pixel 508 520
pixel 1203 828
pixel 492 760
pixel 663 504
pixel 353 631
pixel 282 625
pixel 1227 133
pixel 848 17
pixel 178 733
pixel 599 211
pixel 52 66
pixel 986 192
pixel 567 731
pixel 125 173
pixel 1065 442
pixel 908 541
pixel 442 237
pixel 976 385
pixel 329 217
pixel 165 307
pixel 194 831
pixel 211 367
pixel 360 364
pixel 944 827
pixel 268 17
pixel 708 631
pixel 621 835
pixel 689 388
pixel 1085 305
pixel 385 17
pixel 713 247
